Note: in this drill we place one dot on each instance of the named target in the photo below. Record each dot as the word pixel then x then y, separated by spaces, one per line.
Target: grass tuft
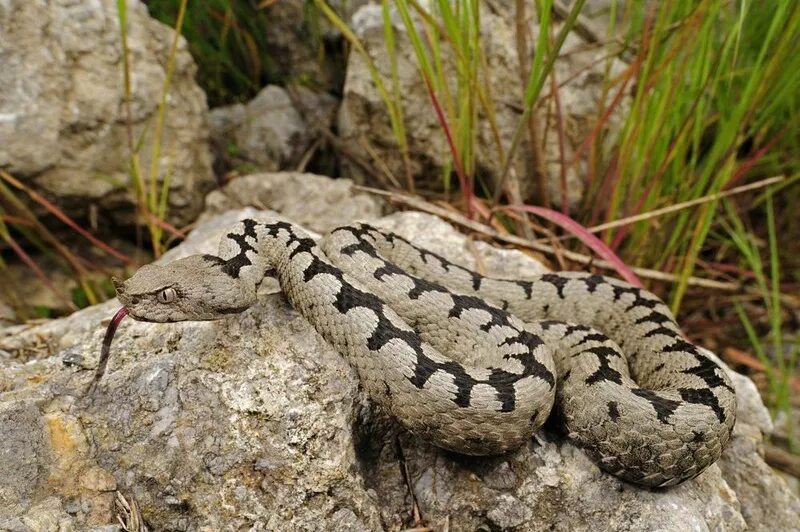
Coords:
pixel 710 110
pixel 151 196
pixel 780 361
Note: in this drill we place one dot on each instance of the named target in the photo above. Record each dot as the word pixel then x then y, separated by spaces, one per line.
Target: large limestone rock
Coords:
pixel 274 131
pixel 364 123
pixel 254 422
pixel 62 112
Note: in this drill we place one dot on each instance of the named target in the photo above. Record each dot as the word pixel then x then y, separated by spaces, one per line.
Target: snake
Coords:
pixel 470 363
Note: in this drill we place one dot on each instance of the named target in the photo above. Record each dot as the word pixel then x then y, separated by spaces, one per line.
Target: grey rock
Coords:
pixel 271 132
pixel 767 502
pixel 364 124
pixel 22 452
pixel 296 36
pixel 7 315
pixel 223 123
pixel 746 472
pixel 750 408
pixel 255 422
pixel 316 202
pixel 62 113
pixel 26 290
pixel 13 524
pixel 48 515
pixel 271 128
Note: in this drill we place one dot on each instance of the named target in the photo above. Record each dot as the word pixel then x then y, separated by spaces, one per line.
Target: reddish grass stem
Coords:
pixel 466 185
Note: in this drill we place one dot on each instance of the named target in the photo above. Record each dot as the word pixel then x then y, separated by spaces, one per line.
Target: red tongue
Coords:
pixel 105 351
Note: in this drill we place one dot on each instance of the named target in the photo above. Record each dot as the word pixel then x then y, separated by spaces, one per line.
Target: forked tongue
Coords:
pixel 105 351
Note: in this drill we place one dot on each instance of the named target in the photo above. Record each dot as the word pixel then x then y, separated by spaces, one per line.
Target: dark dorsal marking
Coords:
pixel 613 410
pixel 547 324
pixel 593 337
pixel 572 328
pixel 556 280
pixel 234 265
pixel 664 407
pixel 477 279
pixel 388 268
pixel 213 259
pixel 703 396
pixel 659 318
pixel 638 300
pixel 662 331
pixel 605 372
pixel 593 281
pixel 527 287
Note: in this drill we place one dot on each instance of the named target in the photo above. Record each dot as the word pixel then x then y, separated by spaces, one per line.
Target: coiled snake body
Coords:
pixel 472 363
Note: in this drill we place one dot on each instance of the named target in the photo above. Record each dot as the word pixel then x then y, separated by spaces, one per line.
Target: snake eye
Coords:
pixel 168 295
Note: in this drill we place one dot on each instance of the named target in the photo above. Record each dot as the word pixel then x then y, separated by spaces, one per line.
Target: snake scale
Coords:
pixel 474 364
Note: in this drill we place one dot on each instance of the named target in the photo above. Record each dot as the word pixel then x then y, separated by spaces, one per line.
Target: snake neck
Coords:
pixel 253 251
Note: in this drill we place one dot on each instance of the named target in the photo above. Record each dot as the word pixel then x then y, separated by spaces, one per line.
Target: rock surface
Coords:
pixel 316 202
pixel 254 422
pixel 363 119
pixel 62 113
pixel 271 132
pixel 296 42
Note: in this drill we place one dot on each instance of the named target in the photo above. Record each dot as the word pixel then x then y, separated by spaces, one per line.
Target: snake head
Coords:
pixel 193 288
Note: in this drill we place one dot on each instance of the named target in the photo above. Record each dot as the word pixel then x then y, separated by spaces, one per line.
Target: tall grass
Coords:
pixel 229 42
pixel 151 189
pixel 715 89
pixel 391 100
pixel 448 48
pixel 780 358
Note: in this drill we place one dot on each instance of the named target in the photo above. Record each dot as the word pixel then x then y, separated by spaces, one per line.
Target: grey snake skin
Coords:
pixel 475 364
